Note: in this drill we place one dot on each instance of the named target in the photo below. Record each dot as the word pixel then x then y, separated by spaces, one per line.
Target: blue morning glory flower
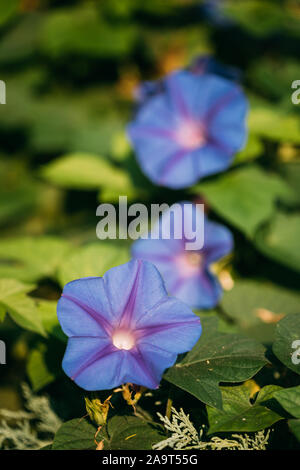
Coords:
pixel 187 273
pixel 207 64
pixel 203 64
pixel 190 130
pixel 123 327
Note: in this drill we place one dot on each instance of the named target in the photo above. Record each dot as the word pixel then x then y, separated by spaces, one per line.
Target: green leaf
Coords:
pixel 280 240
pixel 258 306
pixel 77 434
pixel 260 17
pixel 42 366
pixel 253 150
pixel 131 433
pixel 25 32
pixel 31 258
pixel 85 171
pixel 245 197
pixel 272 124
pixel 289 399
pixel 21 307
pixel 8 10
pixel 92 260
pixel 48 314
pixel 82 31
pixel 291 173
pixel 284 347
pixel 216 358
pixel 240 414
pixel 294 424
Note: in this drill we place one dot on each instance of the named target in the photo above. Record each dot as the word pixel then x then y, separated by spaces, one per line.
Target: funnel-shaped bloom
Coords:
pixel 204 64
pixel 189 130
pixel 123 327
pixel 187 273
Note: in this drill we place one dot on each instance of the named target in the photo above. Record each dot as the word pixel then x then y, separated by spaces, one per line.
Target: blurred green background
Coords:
pixel 71 69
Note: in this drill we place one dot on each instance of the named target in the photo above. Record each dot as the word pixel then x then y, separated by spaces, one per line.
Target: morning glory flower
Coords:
pixel 203 64
pixel 190 130
pixel 187 273
pixel 207 64
pixel 123 327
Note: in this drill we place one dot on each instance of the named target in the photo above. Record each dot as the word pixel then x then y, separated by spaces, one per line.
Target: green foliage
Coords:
pixel 42 368
pixel 85 171
pixel 77 434
pixel 123 432
pixel 71 69
pixel 82 31
pixel 48 315
pixel 131 433
pixel 279 240
pixel 295 427
pixel 31 258
pixel 287 332
pixel 240 414
pixel 289 399
pixel 93 259
pixel 22 308
pixel 258 306
pixel 257 194
pixel 217 357
pixel 8 10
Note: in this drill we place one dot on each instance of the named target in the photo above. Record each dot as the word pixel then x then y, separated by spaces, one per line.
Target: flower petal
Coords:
pixel 133 288
pixel 218 241
pixel 92 363
pixel 171 326
pixel 202 291
pixel 84 308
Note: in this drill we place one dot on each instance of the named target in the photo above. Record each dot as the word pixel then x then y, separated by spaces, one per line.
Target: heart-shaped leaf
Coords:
pixel 287 342
pixel 289 399
pixel 239 414
pixel 77 434
pixel 257 193
pixel 22 308
pixel 92 260
pixel 131 433
pixel 217 357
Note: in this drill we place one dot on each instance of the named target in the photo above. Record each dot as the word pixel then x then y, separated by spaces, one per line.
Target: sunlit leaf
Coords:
pixel 240 414
pixel 92 260
pixel 245 197
pixel 22 308
pixel 217 357
pixel 287 342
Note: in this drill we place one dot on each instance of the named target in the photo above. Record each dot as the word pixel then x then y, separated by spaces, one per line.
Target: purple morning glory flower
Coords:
pixel 187 273
pixel 204 64
pixel 190 130
pixel 207 64
pixel 123 327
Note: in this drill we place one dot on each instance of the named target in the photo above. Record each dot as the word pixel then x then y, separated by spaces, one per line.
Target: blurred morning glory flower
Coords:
pixel 189 130
pixel 207 64
pixel 201 65
pixel 123 327
pixel 187 273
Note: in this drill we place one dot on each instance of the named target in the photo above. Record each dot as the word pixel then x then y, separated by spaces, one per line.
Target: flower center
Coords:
pixel 190 135
pixel 123 339
pixel 189 263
